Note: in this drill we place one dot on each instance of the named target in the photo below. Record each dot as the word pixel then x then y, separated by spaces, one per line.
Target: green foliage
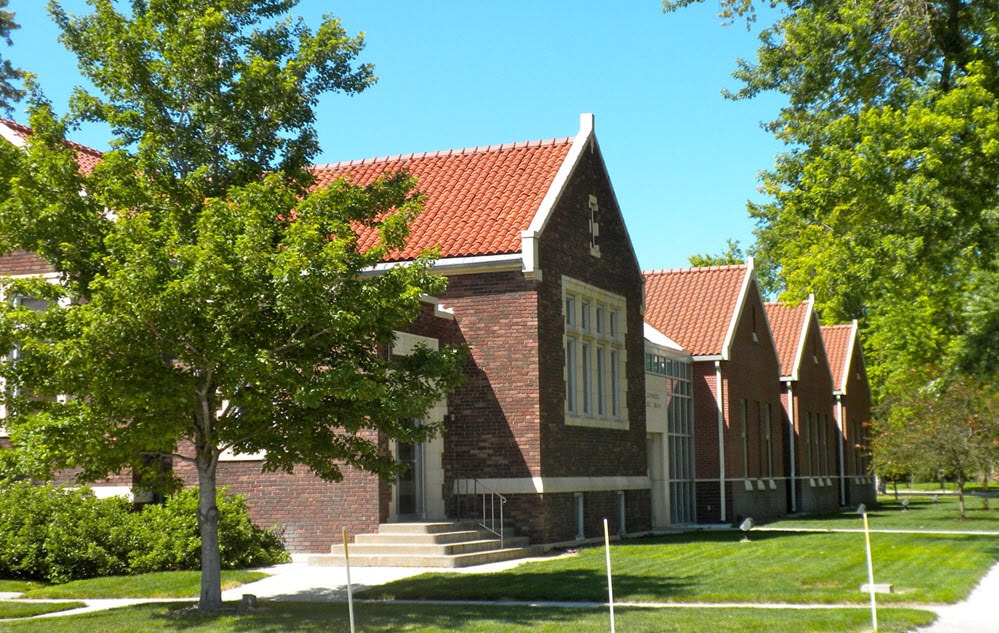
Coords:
pixel 884 205
pixel 56 534
pixel 733 255
pixel 170 540
pixel 208 295
pixel 9 93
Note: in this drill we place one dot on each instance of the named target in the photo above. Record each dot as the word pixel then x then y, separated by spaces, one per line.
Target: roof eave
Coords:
pixel 461 265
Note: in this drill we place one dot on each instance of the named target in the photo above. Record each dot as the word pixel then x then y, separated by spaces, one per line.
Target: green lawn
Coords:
pixel 19 586
pixel 934 486
pixel 393 618
pixel 818 568
pixel 923 514
pixel 178 584
pixel 14 609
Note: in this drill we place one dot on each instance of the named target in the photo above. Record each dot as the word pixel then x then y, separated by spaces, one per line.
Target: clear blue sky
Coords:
pixel 452 73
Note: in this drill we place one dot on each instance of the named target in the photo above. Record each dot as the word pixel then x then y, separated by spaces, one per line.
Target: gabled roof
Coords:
pixel 482 205
pixel 789 325
pixel 698 307
pixel 840 342
pixel 481 202
pixel 17 134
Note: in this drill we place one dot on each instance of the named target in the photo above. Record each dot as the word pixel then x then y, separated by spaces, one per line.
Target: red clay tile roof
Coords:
pixel 22 263
pixel 476 201
pixel 694 306
pixel 838 339
pixel 86 157
pixel 788 325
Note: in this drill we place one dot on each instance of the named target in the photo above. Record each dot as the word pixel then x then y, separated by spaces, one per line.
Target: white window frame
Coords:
pixel 595 356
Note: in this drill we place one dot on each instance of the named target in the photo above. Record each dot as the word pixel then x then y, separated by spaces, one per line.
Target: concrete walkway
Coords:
pixel 977 614
pixel 298 581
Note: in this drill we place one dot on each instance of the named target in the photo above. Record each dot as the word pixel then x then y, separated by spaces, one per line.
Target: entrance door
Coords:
pixel 411 483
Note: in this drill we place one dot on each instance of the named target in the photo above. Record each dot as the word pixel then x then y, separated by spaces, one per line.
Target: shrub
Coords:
pixel 57 534
pixel 170 538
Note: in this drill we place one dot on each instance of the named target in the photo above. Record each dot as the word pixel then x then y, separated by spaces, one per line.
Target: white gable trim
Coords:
pixel 11 136
pixel 740 303
pixel 848 361
pixel 803 338
pixel 530 237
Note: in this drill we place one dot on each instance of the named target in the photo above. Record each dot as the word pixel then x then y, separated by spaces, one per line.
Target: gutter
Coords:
pixel 721 439
pixel 791 443
pixel 842 447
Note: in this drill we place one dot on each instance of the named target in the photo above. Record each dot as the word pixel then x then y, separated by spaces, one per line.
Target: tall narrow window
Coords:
pixel 587 381
pixel 767 429
pixel 600 382
pixel 570 311
pixel 745 437
pixel 615 388
pixel 584 316
pixel 570 375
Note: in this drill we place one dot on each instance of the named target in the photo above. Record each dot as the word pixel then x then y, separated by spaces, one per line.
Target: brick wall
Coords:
pixel 493 426
pixel 565 250
pixel 813 392
pixel 751 375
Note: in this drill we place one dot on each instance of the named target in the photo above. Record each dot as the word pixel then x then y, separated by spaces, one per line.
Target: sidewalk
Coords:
pixel 977 614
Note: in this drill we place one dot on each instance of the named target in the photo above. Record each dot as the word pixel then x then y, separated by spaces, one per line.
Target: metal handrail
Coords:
pixel 490 500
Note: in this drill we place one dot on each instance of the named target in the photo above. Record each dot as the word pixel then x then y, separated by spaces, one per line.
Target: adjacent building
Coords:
pixel 717 314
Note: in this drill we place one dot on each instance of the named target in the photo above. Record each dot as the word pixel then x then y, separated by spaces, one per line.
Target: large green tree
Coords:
pixel 208 297
pixel 884 204
pixel 9 92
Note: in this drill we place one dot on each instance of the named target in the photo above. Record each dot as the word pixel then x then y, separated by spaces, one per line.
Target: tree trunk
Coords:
pixel 208 526
pixel 985 490
pixel 960 496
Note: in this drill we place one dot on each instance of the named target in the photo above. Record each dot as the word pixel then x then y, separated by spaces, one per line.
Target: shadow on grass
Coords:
pixel 577 585
pixel 387 617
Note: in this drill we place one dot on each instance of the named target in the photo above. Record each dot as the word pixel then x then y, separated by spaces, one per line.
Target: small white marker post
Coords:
pixel 350 590
pixel 610 584
pixel 862 509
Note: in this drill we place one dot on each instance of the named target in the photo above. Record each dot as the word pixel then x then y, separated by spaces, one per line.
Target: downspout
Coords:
pixel 792 441
pixel 721 438
pixel 842 447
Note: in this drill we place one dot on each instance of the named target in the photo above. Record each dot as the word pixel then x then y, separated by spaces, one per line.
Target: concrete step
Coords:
pixel 429 544
pixel 434 527
pixel 429 549
pixel 417 560
pixel 429 538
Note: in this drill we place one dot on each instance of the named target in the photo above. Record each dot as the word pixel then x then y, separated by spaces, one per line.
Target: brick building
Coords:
pixel 717 314
pixel 810 455
pixel 852 410
pixel 545 290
